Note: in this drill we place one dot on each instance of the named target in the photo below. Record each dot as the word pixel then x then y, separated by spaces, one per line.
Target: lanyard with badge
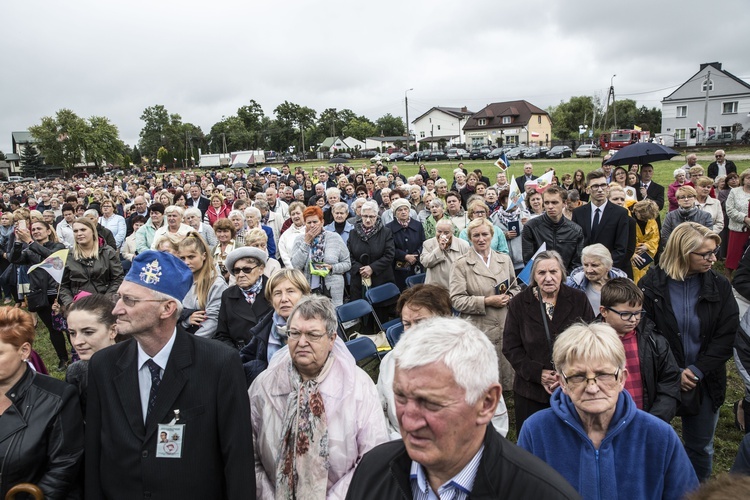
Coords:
pixel 171 438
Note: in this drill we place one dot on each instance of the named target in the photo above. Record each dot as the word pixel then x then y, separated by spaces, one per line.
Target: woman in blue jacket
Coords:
pixel 594 435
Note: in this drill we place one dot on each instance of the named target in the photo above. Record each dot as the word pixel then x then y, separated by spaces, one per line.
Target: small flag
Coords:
pixel 700 126
pixel 502 162
pixel 525 275
pixel 535 134
pixel 54 265
pixel 543 182
pixel 515 196
pixel 636 127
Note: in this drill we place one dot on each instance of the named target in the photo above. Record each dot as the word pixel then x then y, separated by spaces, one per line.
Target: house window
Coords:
pixel 421 135
pixel 710 86
pixel 681 111
pixel 482 122
pixel 679 134
pixel 693 133
pixel 438 127
pixel 506 120
pixel 729 108
pixel 539 119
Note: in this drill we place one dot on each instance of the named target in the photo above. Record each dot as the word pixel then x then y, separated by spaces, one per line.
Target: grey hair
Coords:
pixel 252 210
pixel 333 191
pixel 91 211
pixel 599 252
pixel 385 191
pixel 358 203
pixel 445 221
pixel 340 204
pixel 174 208
pixel 441 183
pixel 584 343
pixel 548 255
pixel 298 192
pixel 169 298
pixel 193 211
pixel 262 205
pixel 437 203
pixel 456 343
pixel 234 213
pixel 316 307
pixel 369 205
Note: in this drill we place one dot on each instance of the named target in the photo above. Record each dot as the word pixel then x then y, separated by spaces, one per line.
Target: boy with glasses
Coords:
pixel 653 374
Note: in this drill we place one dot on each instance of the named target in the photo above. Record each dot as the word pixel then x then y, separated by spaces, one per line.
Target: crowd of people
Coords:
pixel 196 325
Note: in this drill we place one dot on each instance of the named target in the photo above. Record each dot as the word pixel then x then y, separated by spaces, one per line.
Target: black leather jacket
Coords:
pixel 564 236
pixel 41 437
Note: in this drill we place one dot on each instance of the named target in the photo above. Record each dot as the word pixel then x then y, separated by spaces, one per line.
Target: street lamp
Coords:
pixel 406 105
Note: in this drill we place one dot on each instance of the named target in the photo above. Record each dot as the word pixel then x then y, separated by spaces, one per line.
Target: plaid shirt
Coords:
pixel 634 383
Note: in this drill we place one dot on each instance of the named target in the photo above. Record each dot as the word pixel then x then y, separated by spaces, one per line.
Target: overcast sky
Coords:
pixel 204 59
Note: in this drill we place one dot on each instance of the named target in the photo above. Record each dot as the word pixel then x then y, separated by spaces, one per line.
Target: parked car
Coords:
pixel 396 157
pixel 368 153
pixel 515 153
pixel 379 157
pixel 724 138
pixel 533 153
pixel 436 155
pixel 560 152
pixel 412 156
pixel 345 156
pixel 495 154
pixel 588 151
pixel 15 178
pixel 457 154
pixel 480 153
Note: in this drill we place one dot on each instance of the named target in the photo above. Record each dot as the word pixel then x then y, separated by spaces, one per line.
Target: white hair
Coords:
pixel 193 211
pixel 599 252
pixel 252 211
pixel 459 345
pixel 234 213
pixel 369 205
pixel 333 191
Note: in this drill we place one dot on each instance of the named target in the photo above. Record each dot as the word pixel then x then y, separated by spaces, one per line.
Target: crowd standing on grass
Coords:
pixel 601 320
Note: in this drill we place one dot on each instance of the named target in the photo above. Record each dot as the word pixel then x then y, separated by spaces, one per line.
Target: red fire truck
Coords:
pixel 618 139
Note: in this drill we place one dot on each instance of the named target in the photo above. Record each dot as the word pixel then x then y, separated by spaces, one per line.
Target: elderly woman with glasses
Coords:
pixel 371 250
pixel 695 310
pixel 687 211
pixel 594 435
pixel 315 413
pixel 243 304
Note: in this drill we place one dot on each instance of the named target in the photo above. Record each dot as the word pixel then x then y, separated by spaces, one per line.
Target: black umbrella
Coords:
pixel 338 160
pixel 641 153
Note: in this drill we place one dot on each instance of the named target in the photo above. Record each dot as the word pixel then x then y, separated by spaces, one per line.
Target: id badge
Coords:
pixel 170 440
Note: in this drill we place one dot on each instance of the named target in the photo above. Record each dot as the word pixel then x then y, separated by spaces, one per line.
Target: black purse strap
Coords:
pixel 546 325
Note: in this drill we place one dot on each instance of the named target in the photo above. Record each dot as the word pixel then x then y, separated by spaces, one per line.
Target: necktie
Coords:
pixel 595 224
pixel 155 381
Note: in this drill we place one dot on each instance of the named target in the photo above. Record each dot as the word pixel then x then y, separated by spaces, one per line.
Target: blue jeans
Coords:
pixel 698 436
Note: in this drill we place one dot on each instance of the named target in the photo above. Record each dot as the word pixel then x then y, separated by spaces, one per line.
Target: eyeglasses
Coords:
pixel 311 336
pixel 628 315
pixel 718 156
pixel 707 256
pixel 598 187
pixel 247 270
pixel 132 301
pixel 686 197
pixel 600 379
pixel 369 216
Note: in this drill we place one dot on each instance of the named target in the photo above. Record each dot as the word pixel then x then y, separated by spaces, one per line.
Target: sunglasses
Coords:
pixel 247 270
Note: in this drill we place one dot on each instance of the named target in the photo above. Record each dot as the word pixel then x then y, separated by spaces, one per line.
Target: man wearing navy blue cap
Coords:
pixel 162 381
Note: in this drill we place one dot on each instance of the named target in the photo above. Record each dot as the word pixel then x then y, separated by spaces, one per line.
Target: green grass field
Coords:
pixel 727 436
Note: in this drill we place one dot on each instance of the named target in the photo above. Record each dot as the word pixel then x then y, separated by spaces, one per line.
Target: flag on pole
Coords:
pixel 636 127
pixel 502 162
pixel 540 184
pixel 54 265
pixel 514 196
pixel 700 126
pixel 535 134
pixel 525 275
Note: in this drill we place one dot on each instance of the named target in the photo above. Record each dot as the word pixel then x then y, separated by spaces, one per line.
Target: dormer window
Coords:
pixel 507 120
pixel 482 122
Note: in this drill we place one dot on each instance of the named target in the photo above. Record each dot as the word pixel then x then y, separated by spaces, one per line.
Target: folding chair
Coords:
pixel 362 349
pixel 393 333
pixel 378 295
pixel 351 311
pixel 417 279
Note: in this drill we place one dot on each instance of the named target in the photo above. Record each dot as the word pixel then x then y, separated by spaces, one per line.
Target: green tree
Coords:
pixel 160 129
pixel 390 125
pixel 2 156
pixel 62 139
pixel 162 154
pixel 136 155
pixel 31 161
pixel 102 142
pixel 568 116
pixel 360 128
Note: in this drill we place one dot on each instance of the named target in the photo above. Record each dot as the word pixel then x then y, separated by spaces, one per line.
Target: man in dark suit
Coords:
pixel 141 208
pixel 528 175
pixel 196 199
pixel 604 222
pixel 649 189
pixel 721 166
pixel 161 380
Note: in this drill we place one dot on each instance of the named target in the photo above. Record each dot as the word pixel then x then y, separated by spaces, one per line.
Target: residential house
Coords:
pixel 385 143
pixel 511 122
pixel 440 124
pixel 684 113
pixel 20 140
pixel 331 145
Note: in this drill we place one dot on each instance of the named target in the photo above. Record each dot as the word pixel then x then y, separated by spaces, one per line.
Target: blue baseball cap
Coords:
pixel 161 272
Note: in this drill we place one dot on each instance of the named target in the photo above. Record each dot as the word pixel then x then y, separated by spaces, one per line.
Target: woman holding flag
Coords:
pixel 33 246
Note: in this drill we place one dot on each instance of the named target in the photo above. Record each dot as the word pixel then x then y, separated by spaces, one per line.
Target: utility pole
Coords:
pixel 612 94
pixel 406 104
pixel 705 107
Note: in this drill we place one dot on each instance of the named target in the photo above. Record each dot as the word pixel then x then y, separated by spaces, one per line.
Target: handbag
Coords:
pixel 37 299
pixel 322 289
pixel 690 402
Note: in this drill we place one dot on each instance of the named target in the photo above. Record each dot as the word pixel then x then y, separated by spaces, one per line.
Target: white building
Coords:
pixel 441 124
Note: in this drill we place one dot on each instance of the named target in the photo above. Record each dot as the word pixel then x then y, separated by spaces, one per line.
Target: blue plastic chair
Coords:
pixel 393 333
pixel 378 295
pixel 417 279
pixel 354 310
pixel 362 349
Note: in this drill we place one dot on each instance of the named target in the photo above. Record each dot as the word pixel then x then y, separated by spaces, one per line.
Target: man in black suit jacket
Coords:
pixel 528 175
pixel 161 380
pixel 648 189
pixel 721 166
pixel 141 208
pixel 609 226
pixel 196 199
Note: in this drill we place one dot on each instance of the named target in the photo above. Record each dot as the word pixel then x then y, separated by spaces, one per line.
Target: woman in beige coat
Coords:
pixel 481 285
